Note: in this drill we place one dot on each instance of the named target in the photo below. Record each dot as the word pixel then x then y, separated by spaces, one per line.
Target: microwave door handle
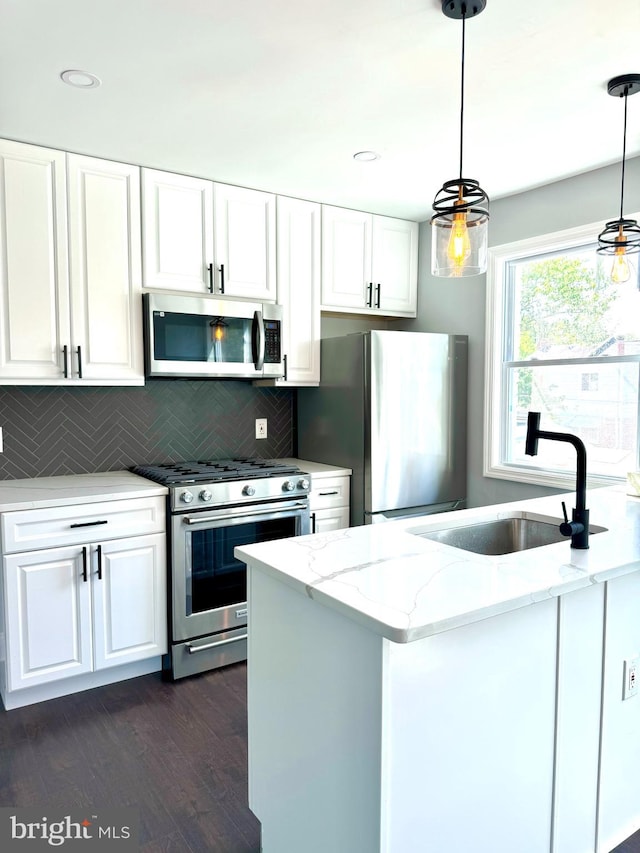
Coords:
pixel 258 340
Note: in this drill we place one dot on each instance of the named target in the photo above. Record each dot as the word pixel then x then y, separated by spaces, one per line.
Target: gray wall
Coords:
pixel 458 307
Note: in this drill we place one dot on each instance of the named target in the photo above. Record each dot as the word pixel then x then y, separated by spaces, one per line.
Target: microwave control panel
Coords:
pixel 272 341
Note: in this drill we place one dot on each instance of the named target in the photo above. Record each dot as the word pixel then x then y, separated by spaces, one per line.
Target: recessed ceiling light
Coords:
pixel 366 156
pixel 81 79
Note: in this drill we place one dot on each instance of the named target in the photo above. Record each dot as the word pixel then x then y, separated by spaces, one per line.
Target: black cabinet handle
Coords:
pixel 79 362
pixel 378 295
pixel 85 563
pixel 210 268
pixel 99 549
pixel 89 523
pixel 313 522
pixel 369 294
pixel 65 361
pixel 221 278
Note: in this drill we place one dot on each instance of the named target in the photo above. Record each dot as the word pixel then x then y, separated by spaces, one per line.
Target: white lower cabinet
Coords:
pixel 84 608
pixel 90 604
pixel 329 503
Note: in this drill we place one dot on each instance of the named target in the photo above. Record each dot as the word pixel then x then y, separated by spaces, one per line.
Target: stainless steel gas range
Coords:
pixel 212 507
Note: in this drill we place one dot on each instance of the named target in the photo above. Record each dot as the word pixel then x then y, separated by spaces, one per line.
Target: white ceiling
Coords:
pixel 279 94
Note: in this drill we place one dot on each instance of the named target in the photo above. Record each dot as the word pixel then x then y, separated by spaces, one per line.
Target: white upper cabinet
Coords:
pixel 298 229
pixel 71 269
pixel 346 258
pixel 177 222
pixel 394 266
pixel 105 269
pixel 245 242
pixel 207 238
pixel 369 263
pixel 34 307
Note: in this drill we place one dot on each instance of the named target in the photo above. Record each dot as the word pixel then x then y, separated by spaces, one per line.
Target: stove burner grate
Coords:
pixel 175 473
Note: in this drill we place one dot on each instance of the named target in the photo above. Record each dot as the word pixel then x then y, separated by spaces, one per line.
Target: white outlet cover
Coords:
pixel 631 676
pixel 261 427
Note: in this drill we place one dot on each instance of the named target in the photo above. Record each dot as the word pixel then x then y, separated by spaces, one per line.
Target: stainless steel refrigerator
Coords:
pixel 393 407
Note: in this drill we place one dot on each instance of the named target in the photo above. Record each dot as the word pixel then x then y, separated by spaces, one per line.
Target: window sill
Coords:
pixel 549 479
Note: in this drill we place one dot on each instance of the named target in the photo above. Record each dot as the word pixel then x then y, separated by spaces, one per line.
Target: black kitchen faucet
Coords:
pixel 578 527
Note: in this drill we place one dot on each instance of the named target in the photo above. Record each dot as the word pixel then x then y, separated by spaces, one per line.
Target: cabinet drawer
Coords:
pixel 28 530
pixel 329 492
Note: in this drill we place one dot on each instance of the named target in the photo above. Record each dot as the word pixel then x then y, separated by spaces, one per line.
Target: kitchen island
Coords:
pixel 408 696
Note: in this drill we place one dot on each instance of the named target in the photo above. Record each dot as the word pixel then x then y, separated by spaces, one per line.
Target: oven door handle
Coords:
pixel 265 510
pixel 193 649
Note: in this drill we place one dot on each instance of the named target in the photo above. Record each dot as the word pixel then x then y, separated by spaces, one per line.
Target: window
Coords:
pixel 564 340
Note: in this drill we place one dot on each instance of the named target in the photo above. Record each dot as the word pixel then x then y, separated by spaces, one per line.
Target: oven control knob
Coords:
pixel 288 486
pixel 205 495
pixel 248 490
pixel 303 484
pixel 186 497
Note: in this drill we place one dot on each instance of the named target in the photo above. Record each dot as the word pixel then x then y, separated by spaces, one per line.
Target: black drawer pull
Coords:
pixel 328 493
pixel 89 523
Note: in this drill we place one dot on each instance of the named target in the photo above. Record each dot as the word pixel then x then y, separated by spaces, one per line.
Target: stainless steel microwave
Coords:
pixel 199 336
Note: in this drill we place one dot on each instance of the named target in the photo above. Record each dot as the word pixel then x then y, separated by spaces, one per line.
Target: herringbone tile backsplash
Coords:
pixel 51 430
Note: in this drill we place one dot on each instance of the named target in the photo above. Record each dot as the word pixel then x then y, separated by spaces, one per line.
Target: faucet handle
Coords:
pixel 570 528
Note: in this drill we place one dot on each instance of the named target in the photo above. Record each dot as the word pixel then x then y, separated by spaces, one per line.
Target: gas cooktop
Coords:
pixel 200 471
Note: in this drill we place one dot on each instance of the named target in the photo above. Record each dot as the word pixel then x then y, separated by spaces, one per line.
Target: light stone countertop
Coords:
pixel 406 587
pixel 39 492
pixel 317 469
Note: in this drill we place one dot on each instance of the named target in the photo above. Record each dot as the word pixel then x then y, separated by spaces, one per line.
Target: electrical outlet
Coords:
pixel 261 427
pixel 631 675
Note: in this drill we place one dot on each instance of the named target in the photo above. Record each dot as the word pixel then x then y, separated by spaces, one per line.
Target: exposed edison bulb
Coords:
pixel 459 247
pixel 620 271
pixel 218 332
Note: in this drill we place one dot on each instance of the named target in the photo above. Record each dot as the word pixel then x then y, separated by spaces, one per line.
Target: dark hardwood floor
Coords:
pixel 175 751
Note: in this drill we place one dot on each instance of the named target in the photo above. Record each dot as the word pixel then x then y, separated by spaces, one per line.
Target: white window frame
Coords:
pixel 494 402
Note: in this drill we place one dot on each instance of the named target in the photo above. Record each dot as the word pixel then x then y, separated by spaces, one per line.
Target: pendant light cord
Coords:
pixel 462 90
pixel 624 149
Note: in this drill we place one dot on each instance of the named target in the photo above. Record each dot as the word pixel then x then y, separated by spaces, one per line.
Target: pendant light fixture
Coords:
pixel 459 223
pixel 621 237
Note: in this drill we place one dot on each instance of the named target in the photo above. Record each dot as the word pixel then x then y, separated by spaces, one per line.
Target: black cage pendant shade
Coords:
pixel 459 224
pixel 621 237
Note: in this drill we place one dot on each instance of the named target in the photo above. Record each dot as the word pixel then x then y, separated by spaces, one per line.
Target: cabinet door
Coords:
pixel 177 231
pixel 245 242
pixel 395 265
pixel 34 301
pixel 129 599
pixel 346 258
pixel 299 289
pixel 326 520
pixel 48 616
pixel 105 270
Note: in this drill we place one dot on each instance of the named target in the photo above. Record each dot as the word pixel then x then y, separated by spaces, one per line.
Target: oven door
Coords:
pixel 209 585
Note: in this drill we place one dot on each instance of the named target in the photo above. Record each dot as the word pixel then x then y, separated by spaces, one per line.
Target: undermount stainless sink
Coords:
pixel 501 535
